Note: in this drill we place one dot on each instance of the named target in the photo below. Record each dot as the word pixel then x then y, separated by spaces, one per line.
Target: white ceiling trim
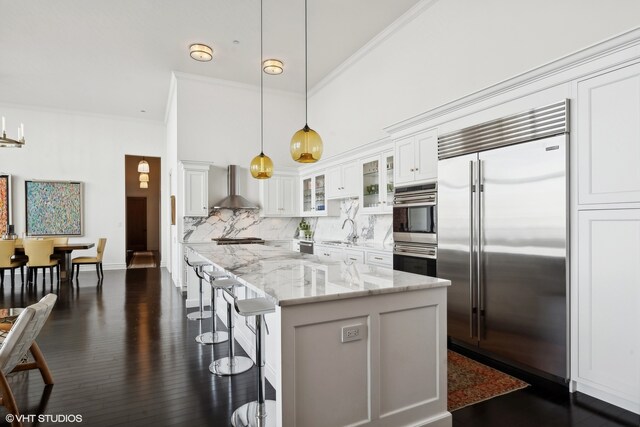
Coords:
pixel 396 25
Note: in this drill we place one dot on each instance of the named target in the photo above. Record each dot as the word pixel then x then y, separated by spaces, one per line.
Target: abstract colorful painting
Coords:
pixel 54 208
pixel 4 203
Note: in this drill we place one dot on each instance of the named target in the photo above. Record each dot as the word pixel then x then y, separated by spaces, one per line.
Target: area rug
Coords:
pixel 470 382
pixel 142 259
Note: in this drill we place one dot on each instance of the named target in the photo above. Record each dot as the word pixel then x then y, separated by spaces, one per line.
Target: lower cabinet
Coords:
pixel 607 361
pixel 354 254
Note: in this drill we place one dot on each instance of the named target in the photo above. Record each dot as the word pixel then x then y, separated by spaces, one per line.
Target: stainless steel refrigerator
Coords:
pixel 502 238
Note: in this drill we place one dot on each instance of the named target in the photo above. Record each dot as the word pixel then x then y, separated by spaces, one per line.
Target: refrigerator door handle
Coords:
pixel 479 252
pixel 471 226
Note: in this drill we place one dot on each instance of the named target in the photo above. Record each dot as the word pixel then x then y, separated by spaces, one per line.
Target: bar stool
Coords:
pixel 198 266
pixel 231 365
pixel 260 412
pixel 215 336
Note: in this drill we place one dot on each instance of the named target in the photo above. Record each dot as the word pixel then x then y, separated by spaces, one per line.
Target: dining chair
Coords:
pixel 39 253
pixel 7 261
pixel 87 260
pixel 57 241
pixel 20 339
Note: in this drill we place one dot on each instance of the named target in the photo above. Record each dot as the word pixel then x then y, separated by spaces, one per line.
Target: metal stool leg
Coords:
pixel 260 413
pixel 200 314
pixel 231 365
pixel 215 336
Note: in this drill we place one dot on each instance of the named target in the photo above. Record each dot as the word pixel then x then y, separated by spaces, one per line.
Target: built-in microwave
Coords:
pixel 414 214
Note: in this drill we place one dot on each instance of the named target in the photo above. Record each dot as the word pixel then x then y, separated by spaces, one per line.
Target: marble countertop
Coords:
pixel 291 278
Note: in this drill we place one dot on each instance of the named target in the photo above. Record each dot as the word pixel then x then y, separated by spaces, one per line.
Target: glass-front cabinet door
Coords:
pixel 371 184
pixel 376 194
pixel 389 186
pixel 307 195
pixel 320 205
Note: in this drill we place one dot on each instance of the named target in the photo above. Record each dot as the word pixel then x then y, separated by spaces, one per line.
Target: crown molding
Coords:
pixel 393 28
pixel 567 64
pixel 179 75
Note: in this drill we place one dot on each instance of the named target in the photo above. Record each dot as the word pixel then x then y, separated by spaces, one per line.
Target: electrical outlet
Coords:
pixel 353 332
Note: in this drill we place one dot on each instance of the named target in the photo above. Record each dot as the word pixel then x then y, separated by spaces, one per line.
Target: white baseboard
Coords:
pixel 608 397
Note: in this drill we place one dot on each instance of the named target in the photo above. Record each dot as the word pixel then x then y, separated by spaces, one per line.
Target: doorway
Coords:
pixel 142 212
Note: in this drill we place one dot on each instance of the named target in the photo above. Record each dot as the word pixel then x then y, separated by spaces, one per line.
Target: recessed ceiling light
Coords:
pixel 273 66
pixel 201 52
pixel 143 111
pixel 236 42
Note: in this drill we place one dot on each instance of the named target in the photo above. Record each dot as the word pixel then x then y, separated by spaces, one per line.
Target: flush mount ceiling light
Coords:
pixel 273 66
pixel 306 144
pixel 143 166
pixel 144 177
pixel 261 166
pixel 201 52
pixel 144 185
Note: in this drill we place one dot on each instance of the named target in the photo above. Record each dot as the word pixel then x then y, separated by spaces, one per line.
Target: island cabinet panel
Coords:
pixel 394 374
pixel 401 388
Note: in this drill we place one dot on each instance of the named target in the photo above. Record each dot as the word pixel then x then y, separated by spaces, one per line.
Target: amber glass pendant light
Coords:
pixel 306 144
pixel 261 166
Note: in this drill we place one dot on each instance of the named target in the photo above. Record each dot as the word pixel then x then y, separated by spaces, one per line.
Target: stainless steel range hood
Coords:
pixel 233 200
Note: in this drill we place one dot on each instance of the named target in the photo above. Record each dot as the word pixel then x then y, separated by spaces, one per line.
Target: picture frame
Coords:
pixel 54 208
pixel 5 203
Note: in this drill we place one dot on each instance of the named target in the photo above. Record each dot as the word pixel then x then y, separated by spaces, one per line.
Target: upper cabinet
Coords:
pixel 279 196
pixel 416 158
pixel 608 124
pixel 376 195
pixel 314 198
pixel 196 189
pixel 342 181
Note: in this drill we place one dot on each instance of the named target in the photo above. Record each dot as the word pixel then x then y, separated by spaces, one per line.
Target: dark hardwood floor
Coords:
pixel 124 354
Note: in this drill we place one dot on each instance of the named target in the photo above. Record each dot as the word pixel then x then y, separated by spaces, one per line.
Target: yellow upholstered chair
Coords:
pixel 39 253
pixel 60 240
pixel 7 261
pixel 86 260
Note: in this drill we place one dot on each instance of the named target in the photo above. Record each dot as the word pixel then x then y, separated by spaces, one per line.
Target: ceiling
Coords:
pixel 116 57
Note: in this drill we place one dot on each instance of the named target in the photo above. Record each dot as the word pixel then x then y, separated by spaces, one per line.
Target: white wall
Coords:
pixel 171 179
pixel 449 50
pixel 81 147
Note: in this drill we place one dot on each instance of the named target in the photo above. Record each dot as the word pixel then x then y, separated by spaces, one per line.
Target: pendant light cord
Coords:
pixel 261 88
pixel 306 90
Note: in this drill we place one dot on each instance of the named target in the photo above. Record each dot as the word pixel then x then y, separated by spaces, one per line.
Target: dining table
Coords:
pixel 65 249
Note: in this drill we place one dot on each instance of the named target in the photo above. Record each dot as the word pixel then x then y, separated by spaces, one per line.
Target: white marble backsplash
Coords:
pixel 238 223
pixel 249 223
pixel 370 228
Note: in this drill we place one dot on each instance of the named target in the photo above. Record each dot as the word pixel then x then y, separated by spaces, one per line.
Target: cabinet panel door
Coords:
pixel 272 194
pixel 196 193
pixel 350 179
pixel 426 152
pixel 609 301
pixel 288 196
pixel 404 158
pixel 307 196
pixel 609 137
pixel 334 182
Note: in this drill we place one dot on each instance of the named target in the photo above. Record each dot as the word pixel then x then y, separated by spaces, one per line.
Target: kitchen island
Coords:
pixel 349 344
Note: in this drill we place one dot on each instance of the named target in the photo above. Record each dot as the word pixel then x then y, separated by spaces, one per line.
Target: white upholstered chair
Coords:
pixel 20 339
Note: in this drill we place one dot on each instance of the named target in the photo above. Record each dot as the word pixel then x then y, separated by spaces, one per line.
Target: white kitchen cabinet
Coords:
pixel 608 306
pixel 279 196
pixel 326 252
pixel 416 158
pixel 376 189
pixel 342 181
pixel 608 121
pixel 196 189
pixel 379 258
pixel 354 255
pixel 314 201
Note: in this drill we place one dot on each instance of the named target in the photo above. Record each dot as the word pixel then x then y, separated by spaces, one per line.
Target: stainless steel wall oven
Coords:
pixel 415 229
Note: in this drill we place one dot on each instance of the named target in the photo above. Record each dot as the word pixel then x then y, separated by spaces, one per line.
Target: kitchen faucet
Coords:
pixel 351 237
